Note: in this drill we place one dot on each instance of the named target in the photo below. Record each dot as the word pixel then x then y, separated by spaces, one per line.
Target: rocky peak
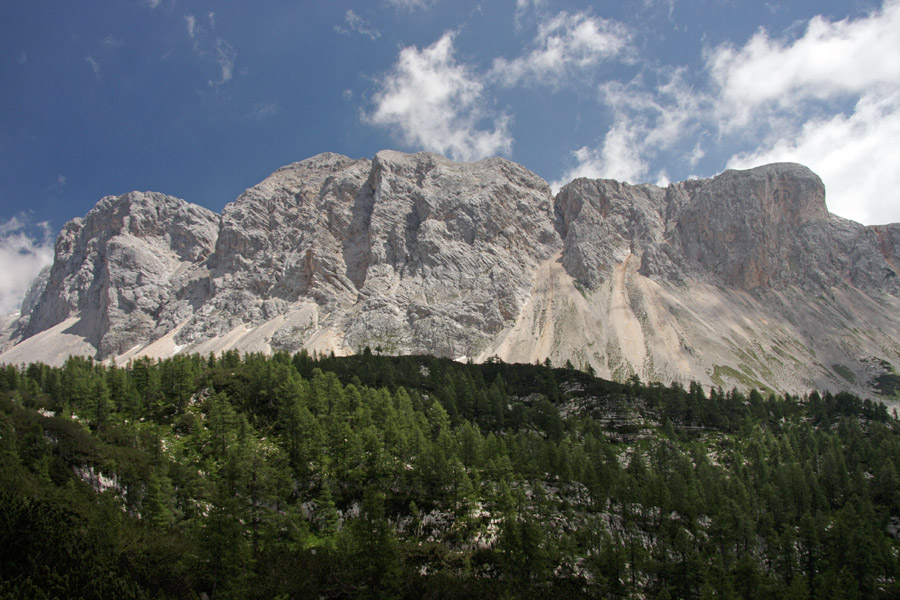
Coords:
pixel 603 222
pixel 739 228
pixel 117 262
pixel 742 226
pixel 776 195
pixel 413 253
pixel 420 242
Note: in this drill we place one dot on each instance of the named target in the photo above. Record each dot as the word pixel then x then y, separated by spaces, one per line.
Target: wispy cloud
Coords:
pixel 357 24
pixel 225 57
pixel 564 45
pixel 111 42
pixel 58 186
pixel 266 110
pixel 95 66
pixel 525 9
pixel 22 256
pixel 190 22
pixel 410 5
pixel 648 120
pixel 211 46
pixel 431 101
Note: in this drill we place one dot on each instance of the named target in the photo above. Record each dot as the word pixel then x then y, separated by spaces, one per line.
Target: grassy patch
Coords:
pixel 582 290
pixel 844 372
pixel 722 372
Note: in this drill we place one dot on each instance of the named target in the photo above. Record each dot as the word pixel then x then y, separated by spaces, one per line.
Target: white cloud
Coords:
pixel 831 60
pixel 225 56
pixel 563 45
pixel 647 121
pixel 828 98
pixel 618 158
pixel 793 88
pixel 432 102
pixel 22 256
pixel 855 156
pixel 410 5
pixel 95 66
pixel 191 22
pixel 151 4
pixel 525 9
pixel 359 25
pixel 208 45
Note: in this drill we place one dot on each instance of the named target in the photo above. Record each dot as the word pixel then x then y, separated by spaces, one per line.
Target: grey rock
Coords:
pixel 412 252
pixel 119 266
pixel 34 292
pixel 744 279
pixel 739 229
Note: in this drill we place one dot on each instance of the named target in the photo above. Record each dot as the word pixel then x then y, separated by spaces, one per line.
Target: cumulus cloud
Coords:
pixel 792 83
pixel 829 98
pixel 356 23
pixel 619 157
pixel 831 59
pixel 564 44
pixel 22 256
pixel 853 154
pixel 431 101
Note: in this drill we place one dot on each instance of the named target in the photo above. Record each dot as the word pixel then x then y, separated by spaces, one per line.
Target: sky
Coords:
pixel 203 99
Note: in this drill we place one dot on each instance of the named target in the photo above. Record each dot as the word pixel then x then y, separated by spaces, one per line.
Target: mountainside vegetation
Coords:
pixel 298 476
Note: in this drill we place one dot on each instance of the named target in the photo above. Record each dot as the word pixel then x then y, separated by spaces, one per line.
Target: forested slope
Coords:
pixel 368 476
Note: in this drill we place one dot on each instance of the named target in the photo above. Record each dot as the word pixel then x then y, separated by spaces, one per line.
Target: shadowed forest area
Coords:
pixel 293 476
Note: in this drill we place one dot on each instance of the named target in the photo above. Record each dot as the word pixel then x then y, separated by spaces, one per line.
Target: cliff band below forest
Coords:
pixel 741 280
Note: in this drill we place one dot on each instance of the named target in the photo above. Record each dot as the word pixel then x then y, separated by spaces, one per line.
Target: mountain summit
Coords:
pixel 743 279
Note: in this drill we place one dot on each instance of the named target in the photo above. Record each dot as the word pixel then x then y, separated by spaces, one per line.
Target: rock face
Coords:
pixel 405 253
pixel 743 279
pixel 121 269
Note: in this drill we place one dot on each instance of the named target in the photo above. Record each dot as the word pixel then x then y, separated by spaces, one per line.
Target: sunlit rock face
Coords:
pixel 742 280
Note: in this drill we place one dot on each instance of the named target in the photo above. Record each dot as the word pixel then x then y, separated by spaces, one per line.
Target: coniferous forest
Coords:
pixel 415 477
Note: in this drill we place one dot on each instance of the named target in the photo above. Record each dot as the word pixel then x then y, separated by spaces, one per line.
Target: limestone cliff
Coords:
pixel 743 279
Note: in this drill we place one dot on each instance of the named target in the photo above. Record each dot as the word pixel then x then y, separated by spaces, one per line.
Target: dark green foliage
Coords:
pixel 374 476
pixel 888 384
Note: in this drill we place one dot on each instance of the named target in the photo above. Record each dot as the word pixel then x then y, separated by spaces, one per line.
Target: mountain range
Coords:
pixel 741 280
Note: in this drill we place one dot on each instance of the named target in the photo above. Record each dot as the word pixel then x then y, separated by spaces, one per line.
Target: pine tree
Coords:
pixel 375 548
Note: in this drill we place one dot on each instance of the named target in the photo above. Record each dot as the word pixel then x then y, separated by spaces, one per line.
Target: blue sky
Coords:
pixel 203 99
